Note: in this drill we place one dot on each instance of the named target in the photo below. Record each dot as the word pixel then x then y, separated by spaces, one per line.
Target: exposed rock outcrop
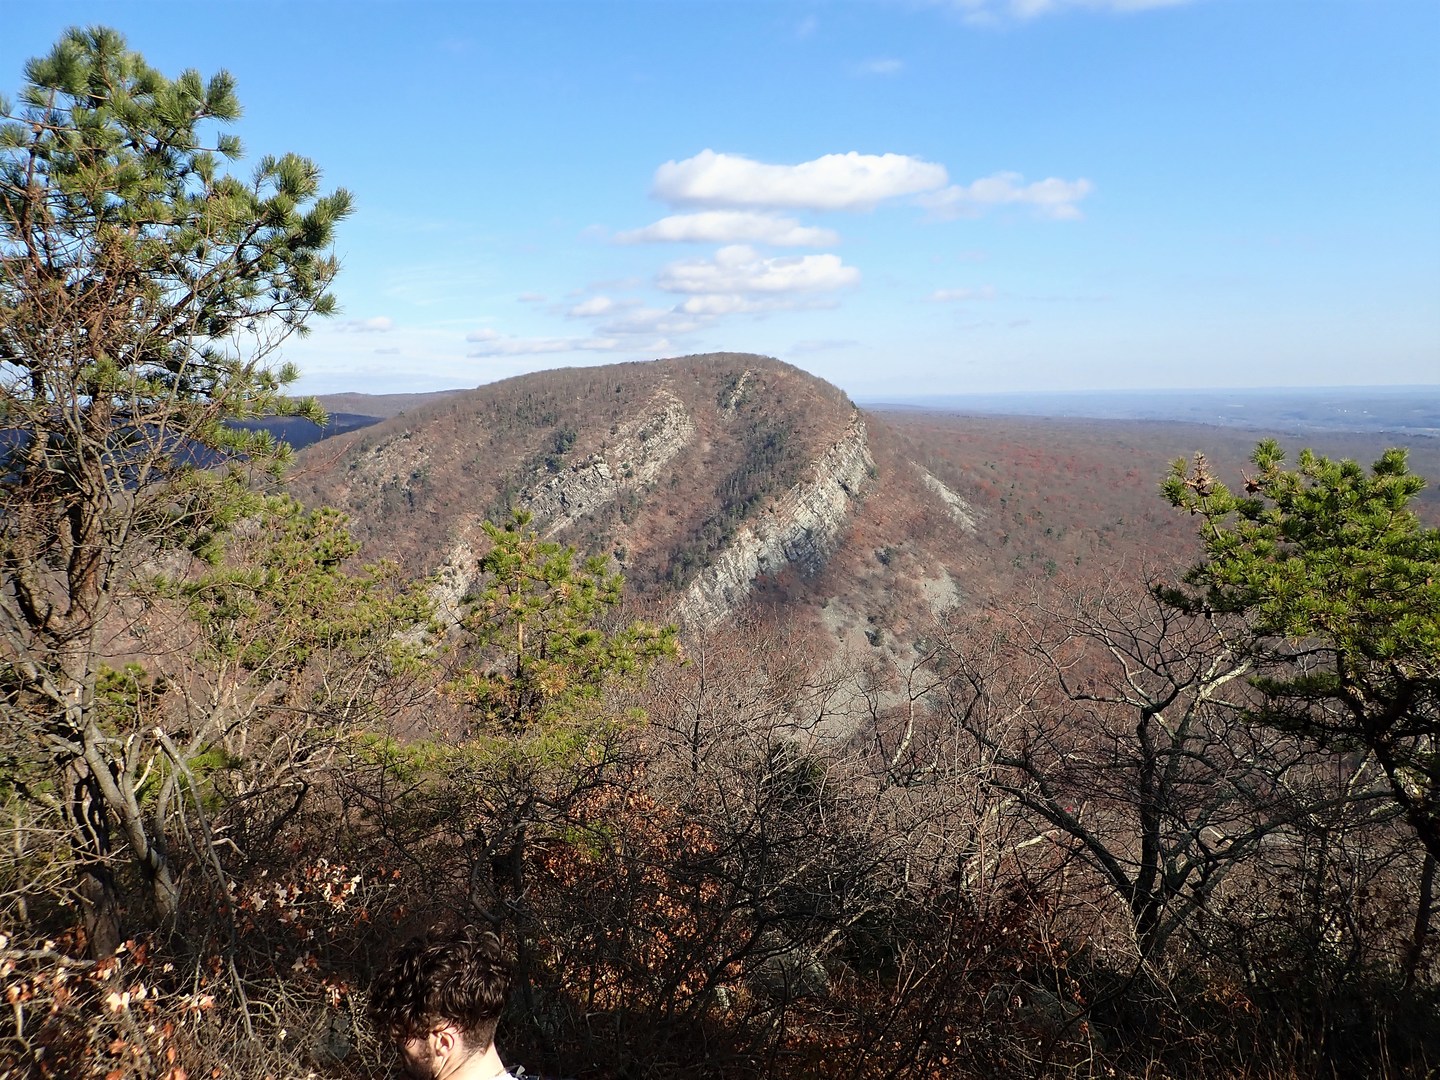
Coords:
pixel 961 511
pixel 732 400
pixel 639 453
pixel 392 460
pixel 456 574
pixel 799 529
pixel 642 448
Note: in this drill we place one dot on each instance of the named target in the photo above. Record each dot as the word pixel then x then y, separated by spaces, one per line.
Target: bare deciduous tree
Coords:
pixel 1116 725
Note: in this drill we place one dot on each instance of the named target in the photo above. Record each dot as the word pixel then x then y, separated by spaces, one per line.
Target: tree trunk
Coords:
pixel 1423 910
pixel 99 892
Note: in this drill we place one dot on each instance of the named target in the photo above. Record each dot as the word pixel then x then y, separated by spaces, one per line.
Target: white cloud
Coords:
pixel 1051 198
pixel 951 296
pixel 739 269
pixel 531 298
pixel 850 181
pixel 596 305
pixel 653 321
pixel 994 11
pixel 492 344
pixel 715 305
pixel 881 65
pixel 380 324
pixel 731 227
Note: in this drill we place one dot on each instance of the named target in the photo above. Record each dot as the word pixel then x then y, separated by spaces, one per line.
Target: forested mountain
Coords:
pixel 732 481
pixel 706 479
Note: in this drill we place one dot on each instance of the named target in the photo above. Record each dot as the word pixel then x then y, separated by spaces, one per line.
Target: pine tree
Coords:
pixel 1340 585
pixel 144 291
pixel 535 634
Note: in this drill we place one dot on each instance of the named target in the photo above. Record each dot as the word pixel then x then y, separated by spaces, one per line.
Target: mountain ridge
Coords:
pixel 726 480
pixel 698 475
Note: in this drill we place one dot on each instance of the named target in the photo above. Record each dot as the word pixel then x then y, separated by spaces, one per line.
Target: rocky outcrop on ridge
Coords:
pixel 643 447
pixel 800 529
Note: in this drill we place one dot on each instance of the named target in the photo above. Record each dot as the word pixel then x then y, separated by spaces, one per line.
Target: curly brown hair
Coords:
pixel 458 977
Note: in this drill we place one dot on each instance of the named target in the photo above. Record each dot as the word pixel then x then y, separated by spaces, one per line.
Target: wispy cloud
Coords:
pixel 596 305
pixel 1050 198
pixel 436 284
pixel 730 227
pixel 851 181
pixel 880 65
pixel 491 343
pixel 711 306
pixel 379 324
pixel 648 320
pixel 998 11
pixel 962 295
pixel 821 345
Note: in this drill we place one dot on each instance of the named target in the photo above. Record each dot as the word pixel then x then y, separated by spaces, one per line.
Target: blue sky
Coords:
pixel 901 197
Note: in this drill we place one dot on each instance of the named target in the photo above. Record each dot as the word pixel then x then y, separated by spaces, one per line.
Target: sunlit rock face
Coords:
pixel 800 529
pixel 642 448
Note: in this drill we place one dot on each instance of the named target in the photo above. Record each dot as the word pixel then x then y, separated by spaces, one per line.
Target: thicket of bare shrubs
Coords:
pixel 1048 849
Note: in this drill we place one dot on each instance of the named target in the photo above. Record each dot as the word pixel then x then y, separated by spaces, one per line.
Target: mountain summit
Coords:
pixel 704 477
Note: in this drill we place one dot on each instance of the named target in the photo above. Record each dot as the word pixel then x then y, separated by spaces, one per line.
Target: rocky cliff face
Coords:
pixel 634 458
pixel 697 474
pixel 961 512
pixel 799 529
pixel 641 449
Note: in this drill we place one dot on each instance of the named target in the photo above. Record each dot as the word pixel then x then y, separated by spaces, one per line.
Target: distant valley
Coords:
pixel 1406 410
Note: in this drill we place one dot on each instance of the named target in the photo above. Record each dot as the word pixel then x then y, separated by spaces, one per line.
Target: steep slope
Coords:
pixel 702 476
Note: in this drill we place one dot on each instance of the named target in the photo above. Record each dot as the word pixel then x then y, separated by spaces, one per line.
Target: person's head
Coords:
pixel 441 997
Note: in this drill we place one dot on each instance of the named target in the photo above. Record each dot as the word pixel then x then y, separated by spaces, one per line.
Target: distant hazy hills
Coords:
pixel 1406 410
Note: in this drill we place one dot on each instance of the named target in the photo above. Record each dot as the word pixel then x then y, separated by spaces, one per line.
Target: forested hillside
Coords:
pixel 694 445
pixel 775 739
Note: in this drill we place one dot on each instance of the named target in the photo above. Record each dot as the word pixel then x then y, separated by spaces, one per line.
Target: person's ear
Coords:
pixel 442 1041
